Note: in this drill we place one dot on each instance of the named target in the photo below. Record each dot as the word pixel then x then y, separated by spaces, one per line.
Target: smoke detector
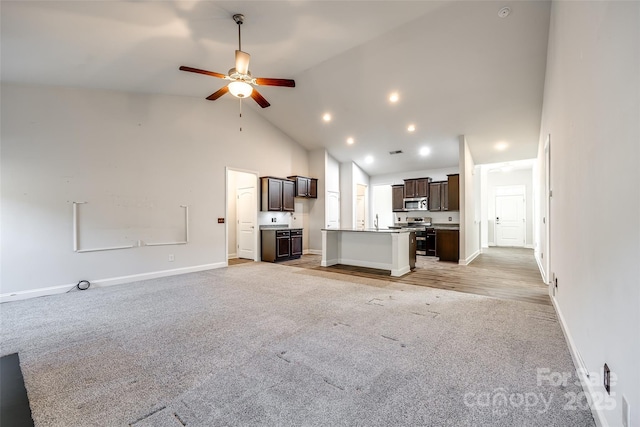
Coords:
pixel 504 12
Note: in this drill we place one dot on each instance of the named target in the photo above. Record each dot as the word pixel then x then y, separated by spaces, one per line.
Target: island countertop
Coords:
pixel 368 230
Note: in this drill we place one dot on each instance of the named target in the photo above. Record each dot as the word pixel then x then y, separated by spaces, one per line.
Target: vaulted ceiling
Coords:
pixel 457 67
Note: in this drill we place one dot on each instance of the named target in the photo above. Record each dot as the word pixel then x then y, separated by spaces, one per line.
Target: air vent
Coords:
pixel 395 152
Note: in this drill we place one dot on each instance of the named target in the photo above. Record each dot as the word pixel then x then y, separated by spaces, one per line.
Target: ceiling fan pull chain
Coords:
pixel 240 114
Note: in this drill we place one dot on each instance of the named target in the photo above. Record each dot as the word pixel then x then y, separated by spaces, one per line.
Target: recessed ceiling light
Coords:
pixel 501 146
pixel 504 12
pixel 368 159
pixel 411 128
pixel 394 97
pixel 425 151
pixel 326 117
pixel 349 140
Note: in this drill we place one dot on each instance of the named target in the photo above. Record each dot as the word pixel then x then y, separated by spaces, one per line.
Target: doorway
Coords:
pixel 510 221
pixel 242 214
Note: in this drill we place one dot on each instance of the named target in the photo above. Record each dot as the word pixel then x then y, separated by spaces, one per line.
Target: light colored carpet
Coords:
pixel 263 344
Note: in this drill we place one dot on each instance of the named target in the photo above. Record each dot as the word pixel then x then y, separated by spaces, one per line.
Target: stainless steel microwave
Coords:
pixel 419 204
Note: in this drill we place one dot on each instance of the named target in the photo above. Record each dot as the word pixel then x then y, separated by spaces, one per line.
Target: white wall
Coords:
pixel 347 195
pixel 135 159
pixel 327 170
pixel 469 219
pixel 350 176
pixel 591 109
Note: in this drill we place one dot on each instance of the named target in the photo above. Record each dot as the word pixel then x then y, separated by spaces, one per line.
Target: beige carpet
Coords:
pixel 263 344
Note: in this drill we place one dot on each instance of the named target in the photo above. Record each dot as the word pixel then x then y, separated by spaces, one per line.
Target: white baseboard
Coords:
pixel 469 259
pixel 539 262
pixel 528 246
pixel 314 251
pixel 587 386
pixel 232 256
pixel 99 283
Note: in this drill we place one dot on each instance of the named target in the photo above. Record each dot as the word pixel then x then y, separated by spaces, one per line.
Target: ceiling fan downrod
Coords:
pixel 239 18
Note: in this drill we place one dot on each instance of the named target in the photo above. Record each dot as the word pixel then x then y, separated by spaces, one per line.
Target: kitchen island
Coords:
pixel 383 249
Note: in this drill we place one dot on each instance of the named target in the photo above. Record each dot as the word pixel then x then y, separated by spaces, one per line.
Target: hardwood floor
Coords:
pixel 236 261
pixel 506 273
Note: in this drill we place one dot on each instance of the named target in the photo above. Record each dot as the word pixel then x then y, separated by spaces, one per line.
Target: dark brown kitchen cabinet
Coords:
pixel 435 193
pixel 416 187
pixel 409 188
pixel 397 196
pixel 448 245
pixel 296 243
pixel 444 195
pixel 305 187
pixel 277 194
pixel 279 245
pixel 453 192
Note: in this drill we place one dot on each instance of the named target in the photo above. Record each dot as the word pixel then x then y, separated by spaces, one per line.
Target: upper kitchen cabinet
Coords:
pixel 277 194
pixel 453 192
pixel 444 195
pixel 397 196
pixel 305 187
pixel 417 187
pixel 435 199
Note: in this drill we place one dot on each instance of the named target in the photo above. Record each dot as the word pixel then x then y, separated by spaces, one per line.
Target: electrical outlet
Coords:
pixel 607 379
pixel 450 219
pixel 171 258
pixel 555 282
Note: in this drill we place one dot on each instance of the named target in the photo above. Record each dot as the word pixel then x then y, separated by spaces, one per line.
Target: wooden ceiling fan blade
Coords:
pixel 263 81
pixel 259 98
pixel 217 94
pixel 205 72
pixel 242 62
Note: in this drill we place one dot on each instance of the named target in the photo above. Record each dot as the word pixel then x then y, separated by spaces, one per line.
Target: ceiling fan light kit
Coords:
pixel 242 82
pixel 240 89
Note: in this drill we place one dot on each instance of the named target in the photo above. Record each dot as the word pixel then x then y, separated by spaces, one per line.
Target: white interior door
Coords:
pixel 246 208
pixel 333 209
pixel 510 220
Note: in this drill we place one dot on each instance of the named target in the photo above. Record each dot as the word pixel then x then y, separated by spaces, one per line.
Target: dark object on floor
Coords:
pixel 14 403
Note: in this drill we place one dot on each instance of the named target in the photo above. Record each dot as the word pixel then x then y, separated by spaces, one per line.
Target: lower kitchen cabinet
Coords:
pixel 281 244
pixel 448 245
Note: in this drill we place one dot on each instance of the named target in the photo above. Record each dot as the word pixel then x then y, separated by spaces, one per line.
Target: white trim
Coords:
pixel 369 264
pixel 539 262
pixel 470 258
pixel 314 251
pixel 99 283
pixel 575 356
pixel 529 246
pixel 232 256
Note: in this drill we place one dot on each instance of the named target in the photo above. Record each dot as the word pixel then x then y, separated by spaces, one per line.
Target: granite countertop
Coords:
pixel 369 230
pixel 445 226
pixel 279 227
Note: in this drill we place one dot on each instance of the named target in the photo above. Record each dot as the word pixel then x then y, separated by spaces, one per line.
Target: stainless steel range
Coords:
pixel 419 224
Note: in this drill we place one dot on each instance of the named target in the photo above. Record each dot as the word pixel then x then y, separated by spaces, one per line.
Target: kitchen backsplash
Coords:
pixel 436 217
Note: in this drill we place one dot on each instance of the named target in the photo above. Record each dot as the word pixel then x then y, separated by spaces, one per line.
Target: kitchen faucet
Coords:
pixel 375 222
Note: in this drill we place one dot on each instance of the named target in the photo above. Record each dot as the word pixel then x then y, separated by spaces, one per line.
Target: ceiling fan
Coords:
pixel 241 85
